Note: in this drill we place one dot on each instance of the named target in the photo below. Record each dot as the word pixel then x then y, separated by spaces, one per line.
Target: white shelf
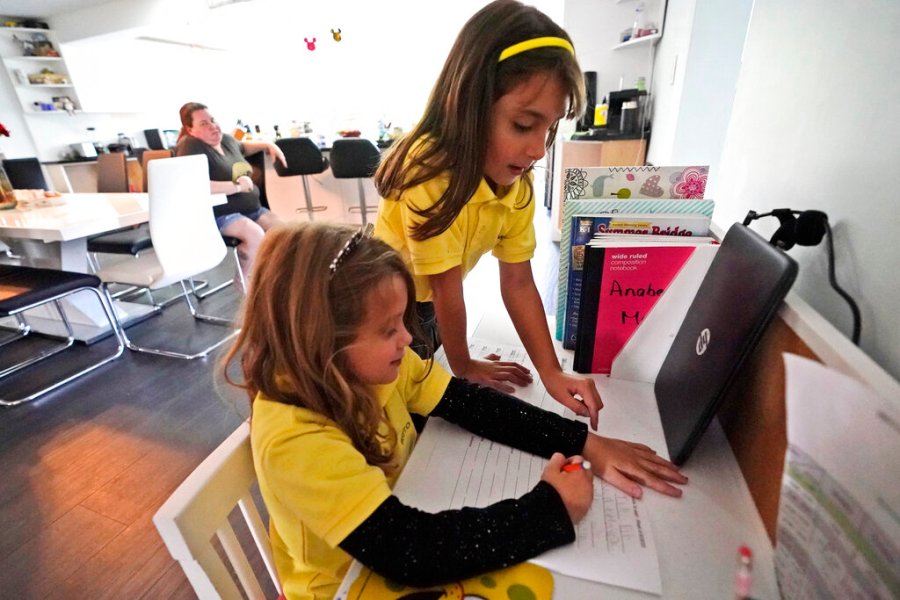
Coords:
pixel 35 58
pixel 26 30
pixel 647 40
pixel 19 67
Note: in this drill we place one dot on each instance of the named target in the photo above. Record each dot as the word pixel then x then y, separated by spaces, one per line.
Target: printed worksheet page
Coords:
pixel 838 520
pixel 452 468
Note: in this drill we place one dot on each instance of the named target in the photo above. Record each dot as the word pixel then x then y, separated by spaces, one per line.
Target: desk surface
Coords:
pixel 79 216
pixel 698 535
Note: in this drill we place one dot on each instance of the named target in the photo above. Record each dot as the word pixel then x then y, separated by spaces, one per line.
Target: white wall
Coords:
pixel 19 143
pixel 382 68
pixel 595 27
pixel 815 125
pixel 695 76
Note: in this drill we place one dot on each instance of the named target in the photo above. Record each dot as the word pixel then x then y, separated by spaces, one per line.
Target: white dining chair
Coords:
pixel 186 241
pixel 198 510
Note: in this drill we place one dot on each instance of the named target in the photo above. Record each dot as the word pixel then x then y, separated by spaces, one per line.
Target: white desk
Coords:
pixel 697 536
pixel 56 237
pixel 59 233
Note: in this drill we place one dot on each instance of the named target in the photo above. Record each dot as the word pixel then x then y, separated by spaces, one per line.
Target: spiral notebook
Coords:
pixel 736 301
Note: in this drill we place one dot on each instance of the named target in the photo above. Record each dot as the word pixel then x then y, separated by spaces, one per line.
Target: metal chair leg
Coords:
pixel 224 284
pixel 113 324
pixel 172 353
pixel 310 209
pixel 363 208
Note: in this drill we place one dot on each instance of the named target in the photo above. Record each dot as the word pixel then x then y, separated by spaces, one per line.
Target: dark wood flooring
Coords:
pixel 83 469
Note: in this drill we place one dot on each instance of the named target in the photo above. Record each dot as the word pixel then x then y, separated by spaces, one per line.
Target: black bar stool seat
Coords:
pixel 130 240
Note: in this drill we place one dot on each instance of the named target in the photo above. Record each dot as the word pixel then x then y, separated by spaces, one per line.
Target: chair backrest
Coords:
pixel 149 155
pixel 354 157
pixel 25 174
pixel 112 173
pixel 302 155
pixel 199 508
pixel 182 226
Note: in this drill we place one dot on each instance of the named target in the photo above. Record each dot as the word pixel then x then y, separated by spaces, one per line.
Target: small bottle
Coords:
pixel 277 132
pixel 238 133
pixel 247 135
pixel 98 147
pixel 637 30
pixel 743 577
pixel 295 129
pixel 600 113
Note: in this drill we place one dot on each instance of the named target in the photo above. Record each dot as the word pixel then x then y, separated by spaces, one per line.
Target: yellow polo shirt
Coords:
pixel 318 488
pixel 501 224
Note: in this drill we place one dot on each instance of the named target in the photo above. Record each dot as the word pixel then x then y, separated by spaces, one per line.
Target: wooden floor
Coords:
pixel 83 469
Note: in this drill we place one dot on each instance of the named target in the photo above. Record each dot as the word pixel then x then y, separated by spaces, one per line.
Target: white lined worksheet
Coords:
pixel 452 468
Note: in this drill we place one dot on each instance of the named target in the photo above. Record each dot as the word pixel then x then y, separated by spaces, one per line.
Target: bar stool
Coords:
pixel 355 158
pixel 304 158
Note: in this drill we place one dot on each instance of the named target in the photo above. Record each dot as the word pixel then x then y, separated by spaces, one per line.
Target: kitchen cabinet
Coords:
pixel 37 71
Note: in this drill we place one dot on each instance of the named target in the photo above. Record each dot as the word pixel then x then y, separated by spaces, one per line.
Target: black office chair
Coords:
pixel 304 158
pixel 25 173
pixel 355 158
pixel 30 288
pixel 112 177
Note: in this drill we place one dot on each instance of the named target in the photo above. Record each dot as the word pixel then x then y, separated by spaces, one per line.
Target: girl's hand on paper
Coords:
pixel 578 394
pixel 628 466
pixel 493 372
pixel 576 488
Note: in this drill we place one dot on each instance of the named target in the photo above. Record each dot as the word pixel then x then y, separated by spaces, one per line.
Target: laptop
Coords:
pixel 736 301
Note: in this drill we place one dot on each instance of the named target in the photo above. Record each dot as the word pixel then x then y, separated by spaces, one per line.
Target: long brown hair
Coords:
pixel 186 112
pixel 298 320
pixel 451 137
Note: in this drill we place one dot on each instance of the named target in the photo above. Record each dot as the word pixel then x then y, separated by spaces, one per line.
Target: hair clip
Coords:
pixel 351 244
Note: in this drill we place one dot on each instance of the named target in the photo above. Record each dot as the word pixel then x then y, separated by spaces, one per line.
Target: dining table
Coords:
pixel 54 234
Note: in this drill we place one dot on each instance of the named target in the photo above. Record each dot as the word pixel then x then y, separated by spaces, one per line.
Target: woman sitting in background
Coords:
pixel 243 217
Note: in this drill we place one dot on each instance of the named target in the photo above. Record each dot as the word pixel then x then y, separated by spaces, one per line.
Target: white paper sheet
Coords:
pixel 614 542
pixel 839 515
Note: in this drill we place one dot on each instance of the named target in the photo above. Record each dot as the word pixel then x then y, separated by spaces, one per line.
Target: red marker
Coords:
pixel 568 468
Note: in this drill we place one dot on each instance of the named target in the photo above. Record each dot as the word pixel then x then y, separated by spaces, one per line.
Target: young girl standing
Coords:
pixel 460 185
pixel 324 353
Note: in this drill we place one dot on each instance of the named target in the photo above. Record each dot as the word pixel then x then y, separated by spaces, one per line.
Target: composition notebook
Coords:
pixel 736 300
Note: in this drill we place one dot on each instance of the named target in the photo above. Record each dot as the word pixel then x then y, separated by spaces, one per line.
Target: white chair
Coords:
pixel 186 240
pixel 199 509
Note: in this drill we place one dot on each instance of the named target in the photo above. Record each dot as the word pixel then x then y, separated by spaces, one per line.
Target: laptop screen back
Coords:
pixel 737 299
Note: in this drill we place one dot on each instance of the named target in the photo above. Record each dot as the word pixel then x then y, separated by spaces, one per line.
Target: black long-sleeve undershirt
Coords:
pixel 417 548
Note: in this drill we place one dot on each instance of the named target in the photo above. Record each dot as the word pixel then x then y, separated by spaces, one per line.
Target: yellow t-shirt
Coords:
pixel 318 488
pixel 502 224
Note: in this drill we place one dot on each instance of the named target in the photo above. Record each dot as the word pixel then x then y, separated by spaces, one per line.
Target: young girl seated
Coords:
pixel 324 352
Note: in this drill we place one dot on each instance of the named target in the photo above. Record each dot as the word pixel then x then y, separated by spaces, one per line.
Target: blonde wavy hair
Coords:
pixel 298 320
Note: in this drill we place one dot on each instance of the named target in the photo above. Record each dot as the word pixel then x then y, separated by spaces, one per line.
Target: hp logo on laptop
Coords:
pixel 702 342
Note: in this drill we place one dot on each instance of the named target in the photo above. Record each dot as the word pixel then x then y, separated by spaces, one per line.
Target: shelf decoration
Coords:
pixel 38 45
pixel 47 77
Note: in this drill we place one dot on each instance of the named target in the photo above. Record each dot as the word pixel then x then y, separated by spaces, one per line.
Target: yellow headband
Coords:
pixel 541 42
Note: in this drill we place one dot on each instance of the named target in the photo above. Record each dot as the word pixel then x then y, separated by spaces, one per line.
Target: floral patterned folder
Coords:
pixel 636 182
